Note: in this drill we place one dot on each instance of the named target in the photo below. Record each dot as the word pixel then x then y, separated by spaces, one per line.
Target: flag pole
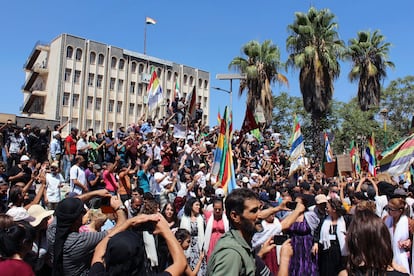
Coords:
pixel 145 37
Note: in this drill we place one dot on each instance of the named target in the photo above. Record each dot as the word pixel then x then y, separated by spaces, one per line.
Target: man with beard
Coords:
pixel 21 172
pixel 233 253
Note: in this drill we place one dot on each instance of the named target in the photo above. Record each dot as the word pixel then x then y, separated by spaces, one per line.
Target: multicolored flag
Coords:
pixel 218 117
pixel 191 102
pixel 176 88
pixel 328 150
pixel 154 92
pixel 369 156
pixel 297 143
pixel 149 20
pixel 355 158
pixel 398 159
pixel 223 169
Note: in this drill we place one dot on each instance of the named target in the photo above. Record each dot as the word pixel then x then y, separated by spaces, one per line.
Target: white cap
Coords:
pixel 24 158
pixel 245 179
pixel 19 214
pixel 219 192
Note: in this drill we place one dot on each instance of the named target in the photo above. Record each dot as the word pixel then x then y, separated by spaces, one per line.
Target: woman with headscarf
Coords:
pixel 72 251
pixel 124 253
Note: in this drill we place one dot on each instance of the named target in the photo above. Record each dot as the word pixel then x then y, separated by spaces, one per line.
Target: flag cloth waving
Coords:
pixel 399 158
pixel 328 150
pixel 369 156
pixel 149 20
pixel 297 150
pixel 223 169
pixel 297 144
pixel 154 92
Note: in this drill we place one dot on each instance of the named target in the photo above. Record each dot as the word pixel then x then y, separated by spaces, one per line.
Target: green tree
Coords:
pixel 261 65
pixel 398 100
pixel 315 49
pixel 369 55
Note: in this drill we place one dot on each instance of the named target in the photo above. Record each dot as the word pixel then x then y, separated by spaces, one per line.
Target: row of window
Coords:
pixel 98 104
pixel 121 65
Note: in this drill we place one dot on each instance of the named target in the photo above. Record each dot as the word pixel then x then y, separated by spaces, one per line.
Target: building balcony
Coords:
pixel 37 49
pixel 34 103
pixel 30 81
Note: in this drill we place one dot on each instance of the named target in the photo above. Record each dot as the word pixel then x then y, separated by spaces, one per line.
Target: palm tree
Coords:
pixel 261 67
pixel 369 55
pixel 314 49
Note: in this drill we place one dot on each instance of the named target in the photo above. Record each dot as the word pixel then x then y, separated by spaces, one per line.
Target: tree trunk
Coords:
pixel 316 131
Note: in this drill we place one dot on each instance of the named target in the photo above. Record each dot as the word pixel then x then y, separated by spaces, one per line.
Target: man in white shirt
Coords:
pixel 78 183
pixel 54 181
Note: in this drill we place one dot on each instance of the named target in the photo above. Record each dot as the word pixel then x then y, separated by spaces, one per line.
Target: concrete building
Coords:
pixel 101 86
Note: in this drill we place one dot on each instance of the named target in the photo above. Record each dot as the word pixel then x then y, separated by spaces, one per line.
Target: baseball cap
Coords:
pixel 219 192
pixel 24 158
pixel 20 214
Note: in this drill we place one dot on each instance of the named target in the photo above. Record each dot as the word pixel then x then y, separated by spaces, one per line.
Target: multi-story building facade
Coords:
pixel 101 86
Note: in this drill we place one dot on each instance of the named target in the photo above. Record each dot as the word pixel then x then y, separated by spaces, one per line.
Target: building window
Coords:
pixel 112 84
pixel 169 75
pixel 99 81
pixel 68 72
pixel 118 107
pixel 159 72
pixel 89 102
pixel 98 103
pixel 205 102
pixel 111 106
pixel 97 124
pixel 69 52
pixel 134 67
pixel 91 79
pixel 141 68
pixel 131 109
pixel 139 109
pixel 101 59
pixel 121 64
pixel 78 55
pixel 139 89
pixel 113 63
pixel 65 100
pixel 120 85
pixel 168 93
pixel 132 87
pixel 75 100
pixel 76 77
pixel 88 123
pixel 185 79
pixel 205 84
pixel 92 58
pixel 200 83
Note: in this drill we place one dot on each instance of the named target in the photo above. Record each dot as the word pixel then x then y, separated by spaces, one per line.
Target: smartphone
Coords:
pixel 291 205
pixel 280 239
pixel 106 205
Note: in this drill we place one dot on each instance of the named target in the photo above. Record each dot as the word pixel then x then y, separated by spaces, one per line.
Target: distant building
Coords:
pixel 100 86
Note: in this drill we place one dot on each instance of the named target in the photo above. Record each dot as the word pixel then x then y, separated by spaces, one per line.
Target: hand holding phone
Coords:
pixel 291 205
pixel 280 239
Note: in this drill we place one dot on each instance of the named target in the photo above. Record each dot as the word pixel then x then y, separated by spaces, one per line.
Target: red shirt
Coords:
pixel 12 267
pixel 72 144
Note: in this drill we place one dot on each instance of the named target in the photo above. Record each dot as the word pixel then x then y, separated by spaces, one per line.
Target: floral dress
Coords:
pixel 193 252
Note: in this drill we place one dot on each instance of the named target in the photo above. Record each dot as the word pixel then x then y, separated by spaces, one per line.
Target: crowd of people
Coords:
pixel 141 201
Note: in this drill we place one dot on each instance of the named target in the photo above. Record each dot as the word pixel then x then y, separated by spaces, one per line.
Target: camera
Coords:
pixel 280 239
pixel 291 205
pixel 146 226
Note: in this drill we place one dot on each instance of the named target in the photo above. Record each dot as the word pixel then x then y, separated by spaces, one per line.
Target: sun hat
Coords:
pixel 39 213
pixel 321 199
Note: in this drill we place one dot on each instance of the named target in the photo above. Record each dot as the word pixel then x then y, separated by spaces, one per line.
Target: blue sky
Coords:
pixel 201 34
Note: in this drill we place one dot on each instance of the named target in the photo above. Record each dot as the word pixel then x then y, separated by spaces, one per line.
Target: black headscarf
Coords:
pixel 67 212
pixel 125 254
